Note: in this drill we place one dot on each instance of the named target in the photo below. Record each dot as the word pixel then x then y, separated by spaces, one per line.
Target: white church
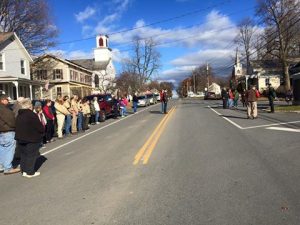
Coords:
pixel 102 65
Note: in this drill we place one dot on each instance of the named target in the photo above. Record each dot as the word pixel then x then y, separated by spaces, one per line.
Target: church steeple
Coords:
pixel 102 53
pixel 237 69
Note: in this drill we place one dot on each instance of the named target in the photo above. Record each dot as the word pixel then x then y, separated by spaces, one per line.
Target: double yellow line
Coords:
pixel 145 152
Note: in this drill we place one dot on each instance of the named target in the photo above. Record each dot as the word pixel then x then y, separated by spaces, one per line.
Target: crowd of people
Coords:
pixel 249 99
pixel 29 125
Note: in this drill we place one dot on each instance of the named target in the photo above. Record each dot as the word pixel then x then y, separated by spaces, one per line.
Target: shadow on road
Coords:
pixel 155 112
pixel 236 117
pixel 39 162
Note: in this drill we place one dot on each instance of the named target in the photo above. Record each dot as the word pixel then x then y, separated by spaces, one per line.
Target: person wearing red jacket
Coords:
pixel 50 120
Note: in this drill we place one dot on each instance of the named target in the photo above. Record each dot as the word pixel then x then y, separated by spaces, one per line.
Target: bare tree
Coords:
pixel 144 62
pixel 282 22
pixel 245 39
pixel 31 21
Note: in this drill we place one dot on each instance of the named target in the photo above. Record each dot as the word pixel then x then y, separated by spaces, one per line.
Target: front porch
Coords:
pixel 18 87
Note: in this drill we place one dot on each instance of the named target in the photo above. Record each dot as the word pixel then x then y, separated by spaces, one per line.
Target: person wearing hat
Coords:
pixel 7 137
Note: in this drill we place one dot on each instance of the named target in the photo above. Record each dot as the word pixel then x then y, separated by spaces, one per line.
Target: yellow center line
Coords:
pixel 141 152
pixel 153 139
pixel 154 142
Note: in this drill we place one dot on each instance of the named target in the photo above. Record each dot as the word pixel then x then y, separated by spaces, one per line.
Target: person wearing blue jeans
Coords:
pixel 7 137
pixel 135 103
pixel 68 123
pixel 79 121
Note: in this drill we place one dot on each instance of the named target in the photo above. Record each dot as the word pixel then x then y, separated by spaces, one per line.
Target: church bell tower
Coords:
pixel 102 53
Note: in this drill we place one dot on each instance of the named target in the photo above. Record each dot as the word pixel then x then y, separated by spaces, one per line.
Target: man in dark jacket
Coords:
pixel 224 95
pixel 7 137
pixel 29 135
pixel 271 97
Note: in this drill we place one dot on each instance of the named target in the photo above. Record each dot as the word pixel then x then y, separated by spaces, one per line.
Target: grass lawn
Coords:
pixel 287 108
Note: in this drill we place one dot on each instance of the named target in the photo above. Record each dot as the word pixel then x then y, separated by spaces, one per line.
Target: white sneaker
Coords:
pixel 97 122
pixel 30 176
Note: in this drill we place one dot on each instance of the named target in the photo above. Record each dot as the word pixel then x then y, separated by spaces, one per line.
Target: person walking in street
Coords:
pixel 165 99
pixel 123 106
pixel 47 110
pixel 97 109
pixel 61 113
pixel 7 137
pixel 224 95
pixel 243 96
pixel 161 100
pixel 236 99
pixel 29 135
pixel 251 96
pixel 230 98
pixel 135 101
pixel 68 118
pixel 271 97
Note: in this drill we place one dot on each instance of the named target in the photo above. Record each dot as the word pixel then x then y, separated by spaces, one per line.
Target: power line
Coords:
pixel 154 23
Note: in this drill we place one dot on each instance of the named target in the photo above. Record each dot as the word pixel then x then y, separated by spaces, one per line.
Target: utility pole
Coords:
pixel 194 78
pixel 207 76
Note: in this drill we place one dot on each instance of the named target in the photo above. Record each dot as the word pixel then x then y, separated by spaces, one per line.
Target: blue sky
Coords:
pixel 205 35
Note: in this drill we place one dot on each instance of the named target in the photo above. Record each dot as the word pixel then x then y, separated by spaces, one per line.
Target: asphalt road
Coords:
pixel 202 165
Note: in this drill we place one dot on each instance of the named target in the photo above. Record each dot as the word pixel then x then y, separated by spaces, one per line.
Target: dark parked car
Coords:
pixel 211 95
pixel 107 106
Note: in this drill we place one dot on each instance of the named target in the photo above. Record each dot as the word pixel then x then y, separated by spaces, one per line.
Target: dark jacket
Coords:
pixel 271 94
pixel 7 119
pixel 251 95
pixel 135 98
pixel 29 129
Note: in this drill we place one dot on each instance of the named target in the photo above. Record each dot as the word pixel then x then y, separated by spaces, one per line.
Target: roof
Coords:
pixel 90 64
pixel 69 62
pixel 5 36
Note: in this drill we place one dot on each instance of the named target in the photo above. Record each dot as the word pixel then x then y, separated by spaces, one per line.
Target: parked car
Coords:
pixel 106 105
pixel 143 100
pixel 211 96
pixel 157 95
pixel 152 98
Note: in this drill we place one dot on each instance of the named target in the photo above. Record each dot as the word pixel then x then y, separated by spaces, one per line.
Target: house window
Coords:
pixel 22 62
pixel 75 75
pixel 267 81
pixel 58 91
pixel 81 78
pixel 57 74
pixel 1 61
pixel 42 75
pixel 71 75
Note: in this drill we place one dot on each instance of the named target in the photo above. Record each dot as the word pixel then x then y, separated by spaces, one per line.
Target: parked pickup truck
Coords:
pixel 107 106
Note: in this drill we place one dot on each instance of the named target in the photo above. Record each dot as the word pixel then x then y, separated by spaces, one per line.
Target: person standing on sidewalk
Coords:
pixel 74 112
pixel 68 122
pixel 236 98
pixel 97 109
pixel 29 135
pixel 86 111
pixel 135 101
pixel 47 110
pixel 61 113
pixel 7 137
pixel 271 97
pixel 251 96
pixel 161 100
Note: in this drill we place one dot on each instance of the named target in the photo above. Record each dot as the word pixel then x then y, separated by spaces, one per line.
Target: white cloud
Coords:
pixel 78 54
pixel 215 32
pixel 86 14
